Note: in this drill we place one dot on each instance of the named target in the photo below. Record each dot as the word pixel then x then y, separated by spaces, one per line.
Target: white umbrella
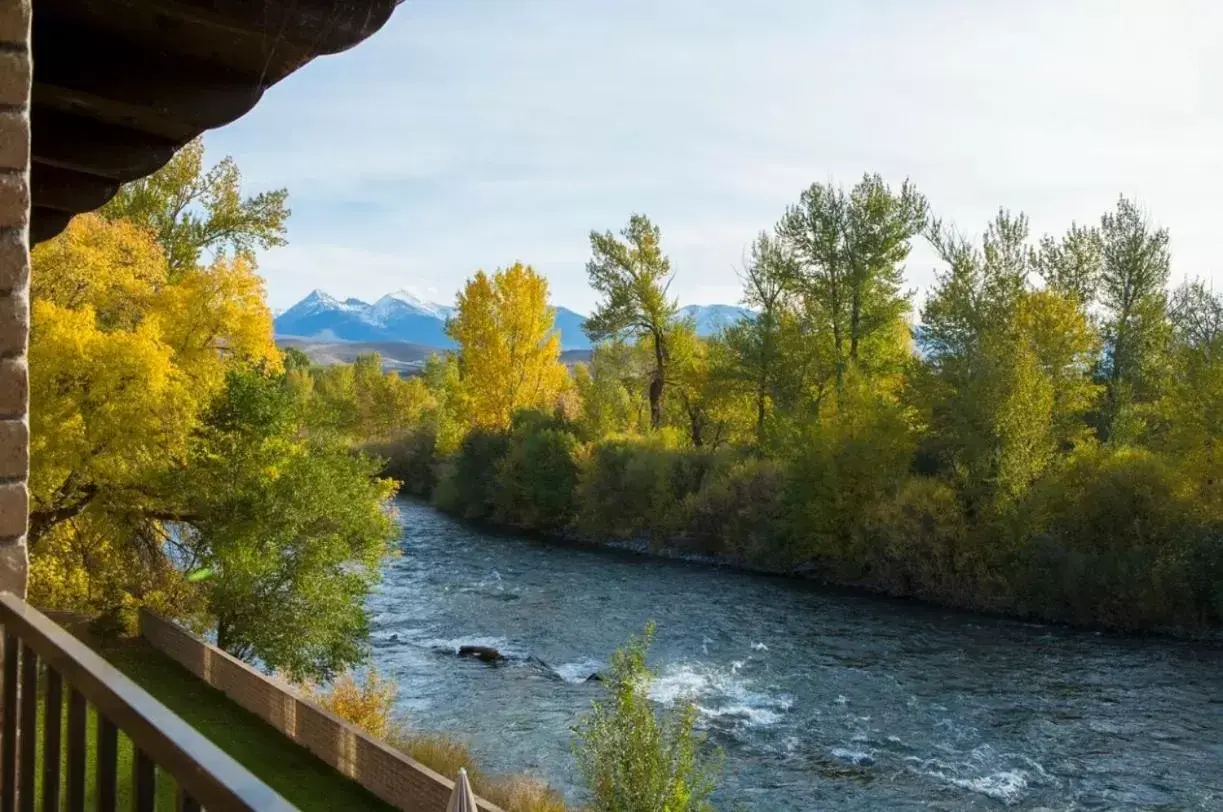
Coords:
pixel 462 799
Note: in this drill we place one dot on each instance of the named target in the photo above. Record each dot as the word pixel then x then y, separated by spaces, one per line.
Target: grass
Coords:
pixel 165 788
pixel 285 766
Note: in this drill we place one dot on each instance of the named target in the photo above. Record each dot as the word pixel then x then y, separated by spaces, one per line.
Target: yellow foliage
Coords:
pixel 369 704
pixel 114 267
pixel 106 407
pixel 509 351
pixel 123 360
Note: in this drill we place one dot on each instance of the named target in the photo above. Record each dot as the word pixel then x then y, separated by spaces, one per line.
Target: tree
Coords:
pixel 509 351
pixel 978 290
pixel 633 276
pixel 634 760
pixel 754 345
pixel 1132 292
pixel 848 248
pixel 191 210
pixel 291 529
pixel 1072 266
pixel 123 361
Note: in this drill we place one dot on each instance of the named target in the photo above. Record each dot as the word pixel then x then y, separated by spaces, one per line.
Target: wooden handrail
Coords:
pixel 205 774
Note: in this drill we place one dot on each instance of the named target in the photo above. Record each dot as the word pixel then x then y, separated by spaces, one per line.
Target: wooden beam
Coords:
pixel 70 141
pixel 156 92
pixel 68 191
pixel 47 223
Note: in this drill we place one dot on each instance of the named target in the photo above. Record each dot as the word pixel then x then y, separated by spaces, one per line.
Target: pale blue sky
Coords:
pixel 471 133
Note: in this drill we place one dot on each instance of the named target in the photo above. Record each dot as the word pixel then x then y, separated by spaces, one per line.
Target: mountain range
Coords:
pixel 403 316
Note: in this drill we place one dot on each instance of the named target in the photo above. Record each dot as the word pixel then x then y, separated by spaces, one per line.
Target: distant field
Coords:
pixel 400 356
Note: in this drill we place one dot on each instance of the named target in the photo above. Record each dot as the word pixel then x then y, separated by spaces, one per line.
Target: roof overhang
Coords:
pixel 120 85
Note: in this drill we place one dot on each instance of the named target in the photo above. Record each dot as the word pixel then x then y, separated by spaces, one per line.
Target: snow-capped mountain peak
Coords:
pixel 394 304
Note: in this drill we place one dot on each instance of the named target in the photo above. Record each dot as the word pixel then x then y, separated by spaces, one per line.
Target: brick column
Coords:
pixel 15 71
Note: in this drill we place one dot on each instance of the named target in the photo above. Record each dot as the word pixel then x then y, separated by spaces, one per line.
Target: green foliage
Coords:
pixel 635 487
pixel 192 210
pixel 468 484
pixel 634 758
pixel 293 528
pixel 538 475
pixel 633 276
pixel 739 512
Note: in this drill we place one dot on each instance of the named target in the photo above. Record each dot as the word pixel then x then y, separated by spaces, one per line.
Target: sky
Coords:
pixel 471 134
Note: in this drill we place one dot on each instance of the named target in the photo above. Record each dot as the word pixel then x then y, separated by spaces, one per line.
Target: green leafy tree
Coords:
pixel 849 248
pixel 634 759
pixel 1073 265
pixel 192 209
pixel 1133 278
pixel 754 358
pixel 633 275
pixel 291 529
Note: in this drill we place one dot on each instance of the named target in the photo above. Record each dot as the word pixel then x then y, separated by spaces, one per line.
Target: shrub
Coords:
pixel 369 703
pixel 738 511
pixel 467 485
pixel 634 759
pixel 1113 537
pixel 629 487
pixel 411 459
pixel 538 475
pixel 918 543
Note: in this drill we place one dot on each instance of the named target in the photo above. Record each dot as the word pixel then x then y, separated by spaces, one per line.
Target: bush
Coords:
pixel 1114 537
pixel 467 485
pixel 738 512
pixel 918 542
pixel 631 487
pixel 410 459
pixel 538 475
pixel 369 703
pixel 634 759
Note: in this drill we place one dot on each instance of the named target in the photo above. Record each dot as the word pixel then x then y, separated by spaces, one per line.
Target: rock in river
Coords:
pixel 486 654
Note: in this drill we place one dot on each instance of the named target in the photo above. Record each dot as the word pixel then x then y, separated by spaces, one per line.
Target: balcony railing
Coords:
pixel 36 649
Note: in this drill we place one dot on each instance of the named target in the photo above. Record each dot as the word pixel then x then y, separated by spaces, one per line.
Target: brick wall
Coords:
pixel 15 71
pixel 387 773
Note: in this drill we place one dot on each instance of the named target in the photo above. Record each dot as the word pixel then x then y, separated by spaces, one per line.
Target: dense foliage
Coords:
pixel 178 459
pixel 1044 441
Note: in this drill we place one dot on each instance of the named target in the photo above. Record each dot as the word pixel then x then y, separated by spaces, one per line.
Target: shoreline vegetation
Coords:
pixel 1045 444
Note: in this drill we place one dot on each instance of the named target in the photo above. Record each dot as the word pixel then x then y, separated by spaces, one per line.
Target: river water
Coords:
pixel 821 699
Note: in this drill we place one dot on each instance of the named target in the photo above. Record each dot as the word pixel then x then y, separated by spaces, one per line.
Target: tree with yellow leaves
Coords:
pixel 509 351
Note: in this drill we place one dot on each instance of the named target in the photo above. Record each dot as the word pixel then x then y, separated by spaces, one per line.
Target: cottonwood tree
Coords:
pixel 754 345
pixel 632 275
pixel 1133 277
pixel 509 349
pixel 849 249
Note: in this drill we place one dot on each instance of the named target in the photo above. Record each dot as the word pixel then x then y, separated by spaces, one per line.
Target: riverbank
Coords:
pixel 811 573
pixel 1116 539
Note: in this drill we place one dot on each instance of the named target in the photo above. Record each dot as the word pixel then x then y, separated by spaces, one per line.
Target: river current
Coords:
pixel 821 699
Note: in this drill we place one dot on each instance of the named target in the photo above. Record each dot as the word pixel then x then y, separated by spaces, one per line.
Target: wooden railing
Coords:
pixel 36 649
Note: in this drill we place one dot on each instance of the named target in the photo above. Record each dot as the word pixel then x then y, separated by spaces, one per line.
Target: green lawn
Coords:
pixel 288 768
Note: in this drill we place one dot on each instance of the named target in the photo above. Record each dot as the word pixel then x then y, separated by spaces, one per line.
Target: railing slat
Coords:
pixel 29 729
pixel 76 750
pixel 186 803
pixel 8 740
pixel 107 764
pixel 51 735
pixel 144 781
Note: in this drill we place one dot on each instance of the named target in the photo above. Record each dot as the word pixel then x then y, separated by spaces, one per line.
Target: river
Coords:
pixel 821 699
